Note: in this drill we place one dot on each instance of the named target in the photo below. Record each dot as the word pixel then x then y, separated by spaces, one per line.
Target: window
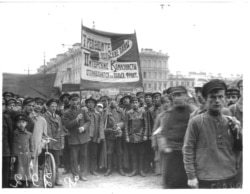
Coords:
pixel 155 88
pixel 144 75
pixel 149 85
pixel 149 75
pixel 171 84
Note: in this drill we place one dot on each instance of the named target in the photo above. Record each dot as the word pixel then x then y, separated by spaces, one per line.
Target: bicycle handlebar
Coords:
pixel 47 138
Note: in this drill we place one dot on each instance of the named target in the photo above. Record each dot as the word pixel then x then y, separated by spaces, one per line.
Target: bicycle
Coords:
pixel 49 166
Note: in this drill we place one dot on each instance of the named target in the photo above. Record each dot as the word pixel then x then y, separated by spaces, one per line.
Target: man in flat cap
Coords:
pixel 65 105
pixel 232 95
pixel 56 131
pixel 211 142
pixel 77 122
pixel 140 96
pixel 96 134
pixel 135 131
pixel 39 105
pixel 173 124
pixel 114 128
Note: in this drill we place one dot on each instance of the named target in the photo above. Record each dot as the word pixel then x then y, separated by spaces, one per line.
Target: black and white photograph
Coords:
pixel 124 95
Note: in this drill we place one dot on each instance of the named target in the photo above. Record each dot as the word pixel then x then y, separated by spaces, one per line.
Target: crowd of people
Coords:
pixel 189 142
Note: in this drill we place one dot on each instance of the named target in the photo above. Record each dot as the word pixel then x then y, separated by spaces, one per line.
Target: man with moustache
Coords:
pixel 173 123
pixel 77 122
pixel 211 142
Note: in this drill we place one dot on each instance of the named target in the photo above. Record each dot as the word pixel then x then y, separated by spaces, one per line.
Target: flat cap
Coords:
pixel 10 101
pixel 40 100
pixel 126 96
pixel 64 95
pixel 178 89
pixel 74 95
pixel 134 99
pixel 148 94
pixel 50 101
pixel 28 100
pixel 104 98
pixel 155 94
pixel 90 99
pixel 212 85
pixel 138 94
pixel 8 93
pixel 21 116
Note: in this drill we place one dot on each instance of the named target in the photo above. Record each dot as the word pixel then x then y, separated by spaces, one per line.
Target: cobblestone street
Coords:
pixel 114 181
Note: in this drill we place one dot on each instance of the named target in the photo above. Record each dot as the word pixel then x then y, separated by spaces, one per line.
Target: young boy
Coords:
pixel 22 152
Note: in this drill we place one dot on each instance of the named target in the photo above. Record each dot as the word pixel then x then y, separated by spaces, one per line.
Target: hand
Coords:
pixel 79 117
pixel 81 129
pixel 31 164
pixel 13 159
pixel 127 139
pixel 145 138
pixel 167 150
pixel 193 183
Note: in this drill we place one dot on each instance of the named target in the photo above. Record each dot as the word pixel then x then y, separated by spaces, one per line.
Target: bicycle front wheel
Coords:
pixel 49 171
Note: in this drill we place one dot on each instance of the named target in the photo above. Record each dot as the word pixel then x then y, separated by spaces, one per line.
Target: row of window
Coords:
pixel 154 75
pixel 159 86
pixel 154 63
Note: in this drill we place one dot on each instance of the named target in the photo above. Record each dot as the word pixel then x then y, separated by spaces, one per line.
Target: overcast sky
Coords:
pixel 205 36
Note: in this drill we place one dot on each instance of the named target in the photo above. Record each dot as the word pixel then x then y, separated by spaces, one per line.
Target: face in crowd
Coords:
pixel 11 107
pixel 126 101
pixel 112 103
pixel 231 99
pixel 165 102
pixel 29 108
pixel 199 97
pixel 21 124
pixel 66 100
pixel 18 106
pixel 118 98
pixel 179 99
pixel 157 99
pixel 105 102
pixel 38 106
pixel 91 104
pixel 52 107
pixel 75 102
pixel 215 100
pixel 135 104
pixel 148 100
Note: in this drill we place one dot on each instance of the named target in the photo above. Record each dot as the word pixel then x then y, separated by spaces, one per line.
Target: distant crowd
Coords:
pixel 187 141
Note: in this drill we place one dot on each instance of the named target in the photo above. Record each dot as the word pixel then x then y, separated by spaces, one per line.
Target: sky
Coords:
pixel 208 36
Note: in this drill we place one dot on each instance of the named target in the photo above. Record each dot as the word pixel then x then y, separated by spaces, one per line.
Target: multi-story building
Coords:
pixel 154 66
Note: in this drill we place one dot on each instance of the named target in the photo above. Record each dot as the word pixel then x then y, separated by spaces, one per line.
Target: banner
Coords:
pixel 109 60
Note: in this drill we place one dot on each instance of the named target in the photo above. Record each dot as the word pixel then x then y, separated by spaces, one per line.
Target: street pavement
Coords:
pixel 113 182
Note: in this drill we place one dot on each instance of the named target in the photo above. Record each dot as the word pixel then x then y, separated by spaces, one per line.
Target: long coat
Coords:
pixel 55 130
pixel 71 124
pixel 23 149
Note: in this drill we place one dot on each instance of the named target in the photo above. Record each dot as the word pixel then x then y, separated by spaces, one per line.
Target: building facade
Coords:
pixel 154 66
